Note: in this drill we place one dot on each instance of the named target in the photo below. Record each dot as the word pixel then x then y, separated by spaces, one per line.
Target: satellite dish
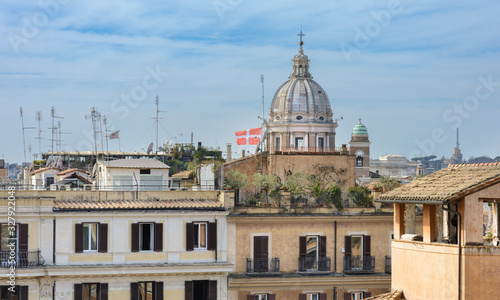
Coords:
pixel 150 148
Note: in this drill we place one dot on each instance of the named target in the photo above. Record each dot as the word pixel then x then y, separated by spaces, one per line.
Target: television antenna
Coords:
pixel 24 139
pixel 54 129
pixel 39 138
pixel 157 118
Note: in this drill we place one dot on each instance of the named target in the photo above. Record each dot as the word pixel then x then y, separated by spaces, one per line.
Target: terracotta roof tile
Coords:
pixel 71 170
pixel 394 295
pixel 45 169
pixel 447 184
pixel 189 204
pixel 182 174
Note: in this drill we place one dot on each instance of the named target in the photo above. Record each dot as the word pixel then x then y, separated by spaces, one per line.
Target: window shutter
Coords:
pixel 79 238
pixel 250 297
pixel 347 296
pixel 159 237
pixel 189 237
pixel 77 292
pixel 23 292
pixel 103 237
pixel 103 292
pixel 134 291
pixel 135 237
pixel 347 245
pixel 366 245
pixel 322 296
pixel 265 247
pixel 367 294
pixel 159 290
pixel 302 246
pixel 271 297
pixel 322 246
pixel 1 241
pixel 212 236
pixel 23 236
pixel 257 247
pixel 302 297
pixel 188 289
pixel 212 290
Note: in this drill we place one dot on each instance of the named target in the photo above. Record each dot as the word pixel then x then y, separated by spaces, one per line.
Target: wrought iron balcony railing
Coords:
pixel 358 264
pixel 21 259
pixel 388 264
pixel 313 264
pixel 263 265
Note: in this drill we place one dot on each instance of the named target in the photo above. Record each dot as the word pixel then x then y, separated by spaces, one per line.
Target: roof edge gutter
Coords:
pixel 435 202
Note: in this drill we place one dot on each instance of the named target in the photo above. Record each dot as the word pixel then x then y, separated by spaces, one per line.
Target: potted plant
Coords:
pixel 360 196
pixel 488 239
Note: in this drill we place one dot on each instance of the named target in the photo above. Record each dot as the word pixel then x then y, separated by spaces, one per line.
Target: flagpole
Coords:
pixel 119 144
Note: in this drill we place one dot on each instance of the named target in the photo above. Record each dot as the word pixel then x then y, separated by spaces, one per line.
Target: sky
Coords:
pixel 414 71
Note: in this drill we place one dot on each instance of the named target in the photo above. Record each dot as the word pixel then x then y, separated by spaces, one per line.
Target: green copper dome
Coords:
pixel 359 129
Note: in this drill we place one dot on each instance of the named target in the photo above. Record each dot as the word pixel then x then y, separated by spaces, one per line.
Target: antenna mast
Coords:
pixel 24 140
pixel 105 121
pixel 39 119
pixel 157 118
pixel 53 128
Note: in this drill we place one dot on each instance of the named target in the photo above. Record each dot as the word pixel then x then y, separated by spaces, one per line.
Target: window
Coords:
pixel 321 143
pixel 261 253
pixel 278 143
pixel 201 236
pixel 145 171
pixel 19 293
pixel 359 158
pixel 313 296
pixel 261 297
pixel 91 237
pixel 91 291
pixel 312 254
pixel 10 234
pixel 147 237
pixel 146 290
pixel 357 295
pixel 299 142
pixel 357 253
pixel 200 290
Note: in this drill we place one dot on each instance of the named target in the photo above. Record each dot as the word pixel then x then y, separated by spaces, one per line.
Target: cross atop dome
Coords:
pixel 301 35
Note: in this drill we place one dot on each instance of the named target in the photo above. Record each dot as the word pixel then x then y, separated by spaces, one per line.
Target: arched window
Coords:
pixel 359 158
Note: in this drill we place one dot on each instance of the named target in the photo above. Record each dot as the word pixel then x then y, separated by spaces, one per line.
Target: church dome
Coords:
pixel 301 99
pixel 359 132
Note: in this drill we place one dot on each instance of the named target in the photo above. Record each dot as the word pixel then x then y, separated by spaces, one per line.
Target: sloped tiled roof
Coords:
pixel 182 174
pixel 448 184
pixel 141 163
pixel 71 170
pixel 150 204
pixel 394 295
pixel 45 169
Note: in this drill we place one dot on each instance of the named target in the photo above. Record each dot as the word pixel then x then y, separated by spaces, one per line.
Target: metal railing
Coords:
pixel 358 264
pixel 21 259
pixel 19 186
pixel 388 264
pixel 313 264
pixel 263 265
pixel 310 150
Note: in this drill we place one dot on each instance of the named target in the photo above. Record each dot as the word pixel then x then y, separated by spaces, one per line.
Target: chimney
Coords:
pixel 242 153
pixel 228 152
pixel 199 146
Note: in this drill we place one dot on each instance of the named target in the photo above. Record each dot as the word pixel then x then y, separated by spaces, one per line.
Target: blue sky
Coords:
pixel 412 70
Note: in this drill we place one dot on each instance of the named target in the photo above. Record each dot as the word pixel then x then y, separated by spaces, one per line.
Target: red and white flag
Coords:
pixel 249 136
pixel 114 135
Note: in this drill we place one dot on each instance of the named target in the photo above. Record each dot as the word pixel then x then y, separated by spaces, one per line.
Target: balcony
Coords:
pixel 388 264
pixel 312 265
pixel 22 259
pixel 359 265
pixel 263 266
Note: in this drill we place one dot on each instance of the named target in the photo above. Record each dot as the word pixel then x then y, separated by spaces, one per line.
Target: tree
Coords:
pixel 268 183
pixel 335 196
pixel 360 195
pixel 235 180
pixel 388 183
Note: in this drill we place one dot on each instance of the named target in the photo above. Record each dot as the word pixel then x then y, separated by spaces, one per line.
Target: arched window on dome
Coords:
pixel 359 158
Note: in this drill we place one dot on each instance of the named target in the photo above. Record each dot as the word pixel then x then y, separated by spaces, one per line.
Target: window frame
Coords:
pixel 260 296
pixel 153 289
pixel 89 284
pixel 312 296
pixel 197 235
pixel 151 238
pixel 90 237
